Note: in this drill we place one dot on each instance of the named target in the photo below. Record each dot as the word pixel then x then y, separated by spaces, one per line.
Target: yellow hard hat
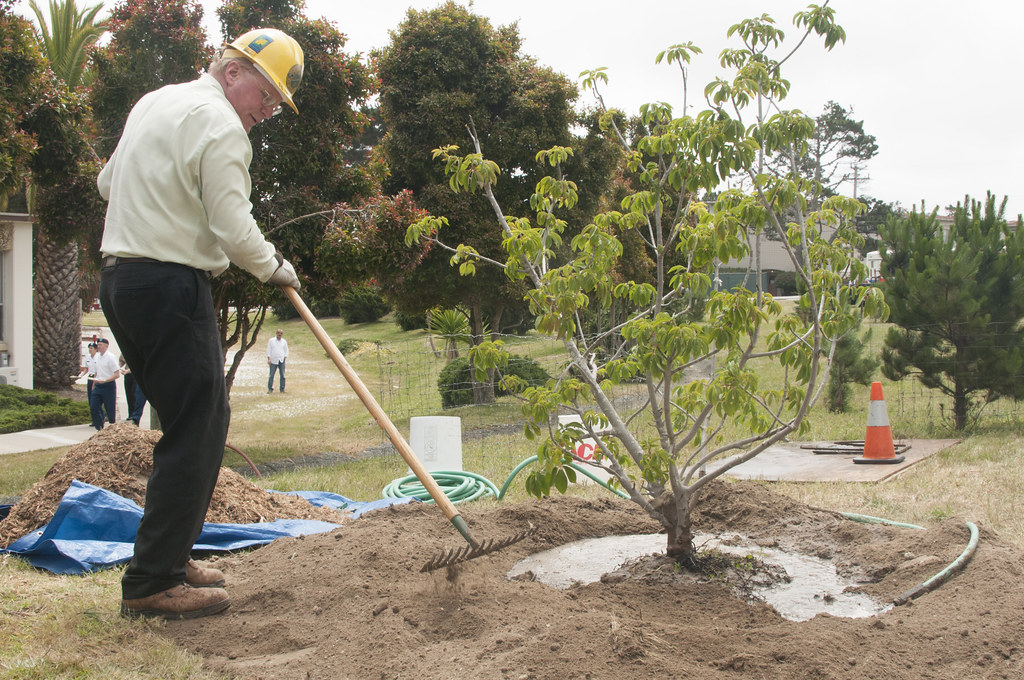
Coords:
pixel 276 55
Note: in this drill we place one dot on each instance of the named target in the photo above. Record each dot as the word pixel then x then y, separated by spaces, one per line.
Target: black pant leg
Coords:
pixel 163 318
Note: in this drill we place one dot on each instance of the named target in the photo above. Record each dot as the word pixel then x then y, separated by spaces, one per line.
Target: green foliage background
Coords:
pixel 22 409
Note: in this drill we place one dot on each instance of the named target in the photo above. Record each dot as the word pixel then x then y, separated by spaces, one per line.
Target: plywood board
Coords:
pixel 792 463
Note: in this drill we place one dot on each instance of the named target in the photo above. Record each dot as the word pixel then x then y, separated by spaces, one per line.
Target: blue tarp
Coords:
pixel 94 528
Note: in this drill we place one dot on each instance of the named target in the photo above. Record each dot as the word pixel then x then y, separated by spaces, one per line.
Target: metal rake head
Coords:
pixel 447 558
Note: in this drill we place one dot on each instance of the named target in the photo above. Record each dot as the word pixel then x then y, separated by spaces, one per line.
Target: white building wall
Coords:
pixel 16 283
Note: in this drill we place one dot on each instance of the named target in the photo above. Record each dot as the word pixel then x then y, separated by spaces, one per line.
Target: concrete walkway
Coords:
pixel 52 437
pixel 46 438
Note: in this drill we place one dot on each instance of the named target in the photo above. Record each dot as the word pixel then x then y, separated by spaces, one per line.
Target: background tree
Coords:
pixel 710 424
pixel 21 67
pixel 66 38
pixel 444 69
pixel 47 148
pixel 837 152
pixel 957 299
pixel 870 222
pixel 152 43
pixel 849 365
pixel 300 169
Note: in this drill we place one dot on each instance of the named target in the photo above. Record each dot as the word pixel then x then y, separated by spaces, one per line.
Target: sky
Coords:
pixel 935 81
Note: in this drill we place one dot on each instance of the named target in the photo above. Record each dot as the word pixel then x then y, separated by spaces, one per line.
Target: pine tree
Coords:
pixel 956 299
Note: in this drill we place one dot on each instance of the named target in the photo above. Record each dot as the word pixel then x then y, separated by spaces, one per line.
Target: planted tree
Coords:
pixel 770 365
pixel 957 299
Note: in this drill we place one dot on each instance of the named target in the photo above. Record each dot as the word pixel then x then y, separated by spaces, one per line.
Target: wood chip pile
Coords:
pixel 120 458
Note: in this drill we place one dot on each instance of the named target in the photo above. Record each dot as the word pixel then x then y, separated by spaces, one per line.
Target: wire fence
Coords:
pixel 408 385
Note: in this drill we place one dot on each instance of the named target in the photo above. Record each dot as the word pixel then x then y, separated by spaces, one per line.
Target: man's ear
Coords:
pixel 233 71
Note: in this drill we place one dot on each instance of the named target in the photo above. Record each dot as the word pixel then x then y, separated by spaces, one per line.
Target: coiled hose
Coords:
pixel 460 486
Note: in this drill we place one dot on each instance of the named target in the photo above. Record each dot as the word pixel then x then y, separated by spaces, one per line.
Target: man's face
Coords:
pixel 279 334
pixel 251 95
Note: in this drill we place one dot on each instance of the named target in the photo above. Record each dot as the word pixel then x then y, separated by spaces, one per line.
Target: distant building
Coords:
pixel 16 299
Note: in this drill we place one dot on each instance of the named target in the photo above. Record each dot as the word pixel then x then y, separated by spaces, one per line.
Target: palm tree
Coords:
pixel 452 326
pixel 68 35
pixel 57 307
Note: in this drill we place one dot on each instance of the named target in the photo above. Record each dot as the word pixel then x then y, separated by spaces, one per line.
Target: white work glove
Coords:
pixel 285 276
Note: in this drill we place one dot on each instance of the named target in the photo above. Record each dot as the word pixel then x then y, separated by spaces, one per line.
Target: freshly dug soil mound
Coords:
pixel 353 604
pixel 120 458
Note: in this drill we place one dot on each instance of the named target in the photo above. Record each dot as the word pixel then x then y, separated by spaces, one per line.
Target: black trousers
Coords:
pixel 163 318
pixel 129 392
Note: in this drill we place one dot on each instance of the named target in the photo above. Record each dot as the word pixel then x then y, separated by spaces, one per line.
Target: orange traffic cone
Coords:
pixel 878 446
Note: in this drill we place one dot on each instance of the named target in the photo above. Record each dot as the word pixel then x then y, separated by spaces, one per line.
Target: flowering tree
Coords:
pixel 688 432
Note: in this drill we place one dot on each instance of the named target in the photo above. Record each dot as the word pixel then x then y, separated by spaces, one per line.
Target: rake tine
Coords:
pixel 447 558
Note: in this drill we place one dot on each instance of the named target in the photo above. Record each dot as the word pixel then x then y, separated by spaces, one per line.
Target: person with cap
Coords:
pixel 88 371
pixel 179 213
pixel 103 396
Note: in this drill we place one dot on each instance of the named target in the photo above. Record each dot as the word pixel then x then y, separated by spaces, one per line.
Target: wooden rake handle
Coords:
pixel 378 414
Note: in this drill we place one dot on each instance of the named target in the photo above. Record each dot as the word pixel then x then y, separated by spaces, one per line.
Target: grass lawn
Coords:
pixel 63 627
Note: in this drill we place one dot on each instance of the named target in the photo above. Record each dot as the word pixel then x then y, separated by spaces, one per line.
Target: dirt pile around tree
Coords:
pixel 352 603
pixel 120 458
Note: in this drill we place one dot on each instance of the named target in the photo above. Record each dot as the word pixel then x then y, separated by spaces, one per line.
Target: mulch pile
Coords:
pixel 120 458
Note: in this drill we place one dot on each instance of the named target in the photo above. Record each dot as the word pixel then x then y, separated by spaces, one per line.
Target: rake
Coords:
pixel 445 558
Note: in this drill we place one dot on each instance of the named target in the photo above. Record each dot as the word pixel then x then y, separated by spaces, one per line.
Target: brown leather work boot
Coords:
pixel 179 602
pixel 198 576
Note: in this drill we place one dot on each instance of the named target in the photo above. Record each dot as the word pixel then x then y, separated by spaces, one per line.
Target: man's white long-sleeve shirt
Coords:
pixel 277 350
pixel 192 206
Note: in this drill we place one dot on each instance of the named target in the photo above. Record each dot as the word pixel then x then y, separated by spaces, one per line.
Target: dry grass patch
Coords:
pixel 69 627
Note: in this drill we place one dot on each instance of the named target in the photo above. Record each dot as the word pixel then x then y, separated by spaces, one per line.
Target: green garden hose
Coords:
pixel 460 486
pixel 457 485
pixel 939 578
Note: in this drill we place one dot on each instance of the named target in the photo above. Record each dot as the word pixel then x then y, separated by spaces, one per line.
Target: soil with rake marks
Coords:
pixel 353 604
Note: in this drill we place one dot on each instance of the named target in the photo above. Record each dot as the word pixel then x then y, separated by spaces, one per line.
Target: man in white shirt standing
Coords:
pixel 277 352
pixel 89 370
pixel 104 388
pixel 178 213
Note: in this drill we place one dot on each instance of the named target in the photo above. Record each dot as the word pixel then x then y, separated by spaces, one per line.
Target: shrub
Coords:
pixel 348 345
pixel 362 304
pixel 319 308
pixel 456 380
pixel 410 322
pixel 785 283
pixel 455 384
pixel 22 409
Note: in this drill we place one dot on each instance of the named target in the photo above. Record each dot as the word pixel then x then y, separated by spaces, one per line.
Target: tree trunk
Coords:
pixel 960 404
pixel 57 315
pixel 247 324
pixel 678 521
pixel 483 392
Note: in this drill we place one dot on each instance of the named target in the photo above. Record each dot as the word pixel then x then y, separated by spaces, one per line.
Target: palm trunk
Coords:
pixel 57 315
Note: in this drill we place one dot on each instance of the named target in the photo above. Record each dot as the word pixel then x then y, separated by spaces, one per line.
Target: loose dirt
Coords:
pixel 352 603
pixel 120 458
